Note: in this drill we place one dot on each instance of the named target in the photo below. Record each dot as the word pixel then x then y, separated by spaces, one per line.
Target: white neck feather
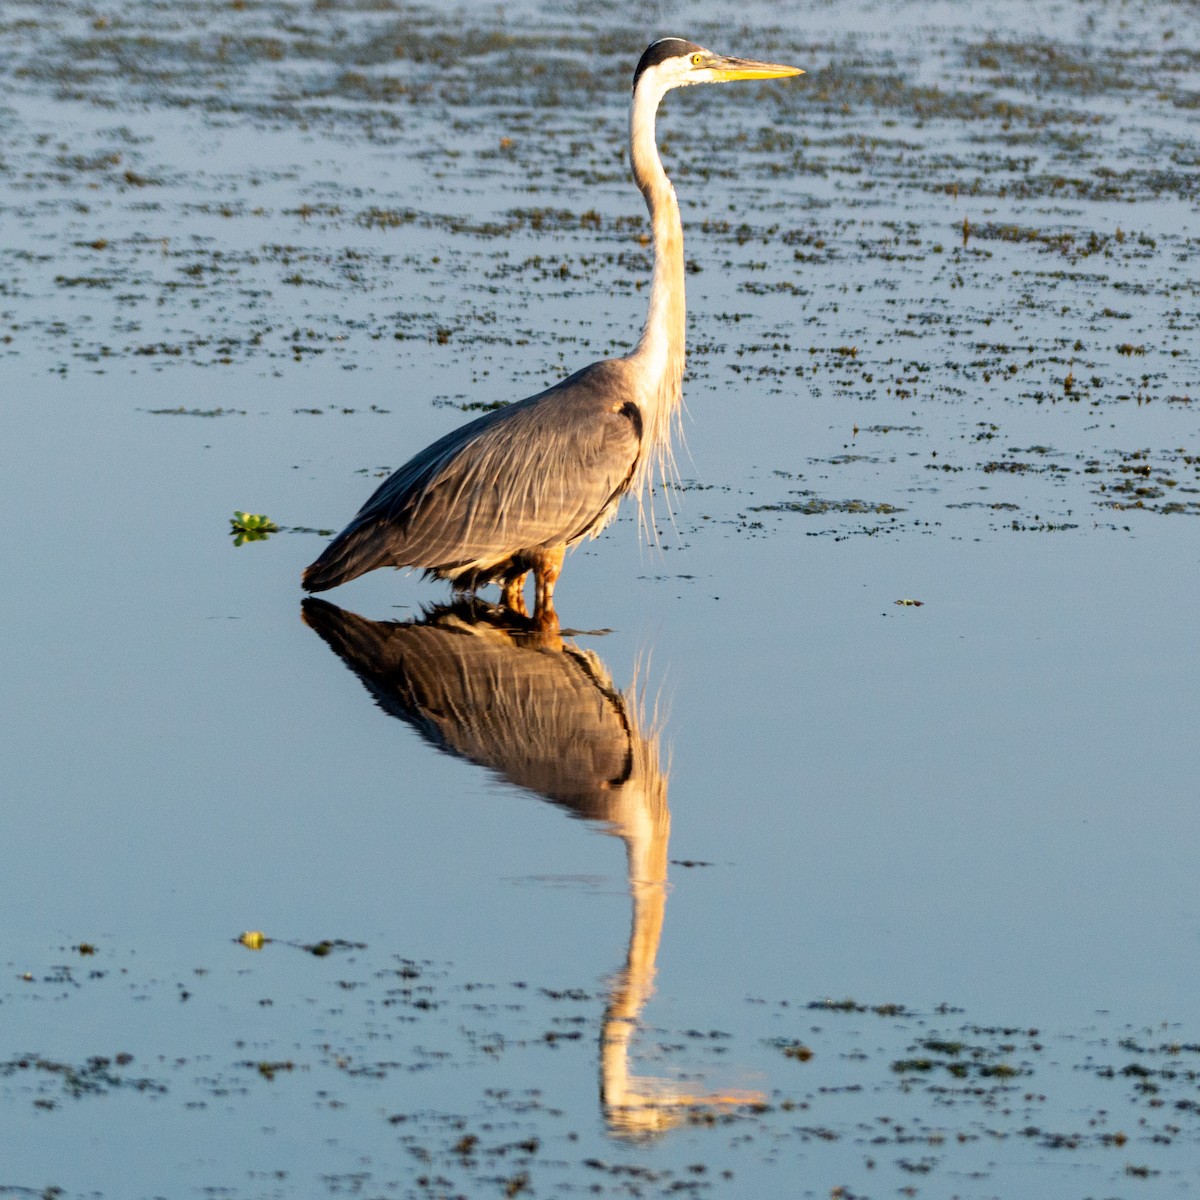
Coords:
pixel 659 354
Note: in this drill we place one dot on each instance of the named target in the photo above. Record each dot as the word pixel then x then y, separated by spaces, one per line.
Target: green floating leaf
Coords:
pixel 250 527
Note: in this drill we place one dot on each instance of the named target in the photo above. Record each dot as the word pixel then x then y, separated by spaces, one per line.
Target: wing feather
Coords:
pixel 538 473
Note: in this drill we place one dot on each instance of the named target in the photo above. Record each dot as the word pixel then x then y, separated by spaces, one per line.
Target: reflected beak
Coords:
pixel 726 69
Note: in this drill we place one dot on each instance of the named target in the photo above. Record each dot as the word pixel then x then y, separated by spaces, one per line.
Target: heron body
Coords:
pixel 509 492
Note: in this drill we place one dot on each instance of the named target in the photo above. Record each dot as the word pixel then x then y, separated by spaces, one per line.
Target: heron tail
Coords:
pixel 355 551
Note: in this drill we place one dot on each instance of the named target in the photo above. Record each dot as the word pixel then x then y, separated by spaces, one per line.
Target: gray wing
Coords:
pixel 538 473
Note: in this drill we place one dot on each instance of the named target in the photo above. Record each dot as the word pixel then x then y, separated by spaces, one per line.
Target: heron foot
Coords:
pixel 545 620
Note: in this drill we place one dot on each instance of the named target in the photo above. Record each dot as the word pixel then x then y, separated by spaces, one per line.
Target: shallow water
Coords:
pixel 914 904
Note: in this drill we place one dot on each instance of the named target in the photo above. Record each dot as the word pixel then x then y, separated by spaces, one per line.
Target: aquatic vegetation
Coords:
pixel 251 527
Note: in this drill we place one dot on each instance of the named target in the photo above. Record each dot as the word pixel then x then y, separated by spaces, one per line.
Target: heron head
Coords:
pixel 672 62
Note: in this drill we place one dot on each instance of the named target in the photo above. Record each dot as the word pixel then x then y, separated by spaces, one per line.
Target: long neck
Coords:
pixel 662 342
pixel 659 354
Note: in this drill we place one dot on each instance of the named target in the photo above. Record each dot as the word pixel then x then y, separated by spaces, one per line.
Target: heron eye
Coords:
pixel 697 59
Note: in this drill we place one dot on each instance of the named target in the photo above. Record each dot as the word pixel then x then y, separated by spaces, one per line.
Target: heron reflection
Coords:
pixel 486 684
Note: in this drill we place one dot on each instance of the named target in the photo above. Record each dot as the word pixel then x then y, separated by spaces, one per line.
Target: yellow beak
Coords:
pixel 725 69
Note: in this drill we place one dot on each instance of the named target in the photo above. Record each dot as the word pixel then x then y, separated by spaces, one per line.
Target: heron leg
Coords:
pixel 513 594
pixel 546 572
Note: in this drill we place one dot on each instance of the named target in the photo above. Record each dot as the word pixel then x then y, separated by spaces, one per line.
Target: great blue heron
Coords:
pixel 507 493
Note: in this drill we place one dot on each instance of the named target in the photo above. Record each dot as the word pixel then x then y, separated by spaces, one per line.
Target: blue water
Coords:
pixel 983 802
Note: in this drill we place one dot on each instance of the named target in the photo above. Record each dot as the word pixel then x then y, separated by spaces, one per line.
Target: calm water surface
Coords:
pixel 758 882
